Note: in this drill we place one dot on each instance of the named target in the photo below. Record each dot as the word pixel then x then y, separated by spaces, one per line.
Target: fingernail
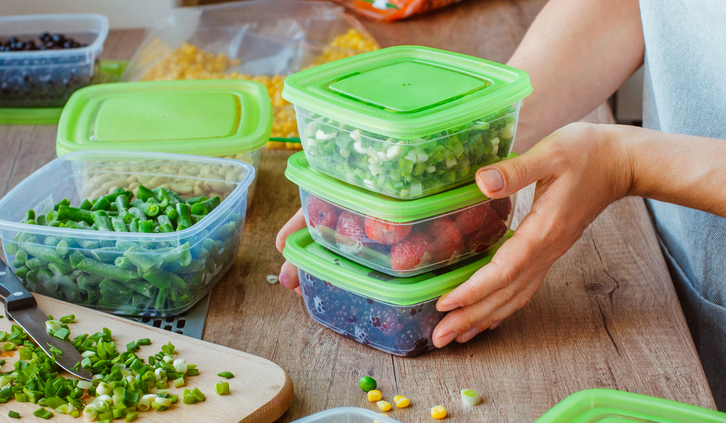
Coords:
pixel 444 340
pixel 448 307
pixel 495 324
pixel 469 334
pixel 492 179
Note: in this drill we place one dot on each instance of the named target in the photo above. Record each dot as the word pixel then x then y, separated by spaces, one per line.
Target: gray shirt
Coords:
pixel 685 93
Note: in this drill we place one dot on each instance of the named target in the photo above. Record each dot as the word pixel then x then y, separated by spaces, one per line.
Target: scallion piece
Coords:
pixel 222 388
pixel 13 415
pixel 226 375
pixel 70 318
pixel 42 413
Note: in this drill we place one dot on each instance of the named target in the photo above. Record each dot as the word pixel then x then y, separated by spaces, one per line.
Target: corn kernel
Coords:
pixel 438 412
pixel 384 405
pixel 401 401
pixel 374 395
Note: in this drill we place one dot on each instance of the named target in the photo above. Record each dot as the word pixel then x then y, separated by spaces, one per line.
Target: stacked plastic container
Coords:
pixel 392 140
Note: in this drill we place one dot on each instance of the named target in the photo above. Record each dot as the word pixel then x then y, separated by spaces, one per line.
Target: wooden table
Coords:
pixel 607 315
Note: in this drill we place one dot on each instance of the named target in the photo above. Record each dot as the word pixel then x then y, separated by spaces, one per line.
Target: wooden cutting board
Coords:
pixel 259 392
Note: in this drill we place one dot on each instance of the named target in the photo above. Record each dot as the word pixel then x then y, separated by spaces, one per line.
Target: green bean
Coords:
pixel 118 225
pixel 147 226
pixel 85 205
pixel 21 256
pixel 111 198
pixel 195 200
pixel 115 287
pixel 170 195
pixel 205 207
pixel 76 258
pixel 152 210
pixel 60 269
pixel 42 252
pixel 101 221
pixel 74 214
pixel 138 213
pixel 63 202
pixel 185 216
pixel 170 211
pixel 145 194
pixel 29 215
pixel 165 224
pixel 11 248
pixel 122 203
pixel 141 260
pixel 40 220
pixel 101 204
pixel 134 225
pixel 106 270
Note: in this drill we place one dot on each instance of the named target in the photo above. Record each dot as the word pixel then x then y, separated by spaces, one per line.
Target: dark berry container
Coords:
pixel 401 238
pixel 394 315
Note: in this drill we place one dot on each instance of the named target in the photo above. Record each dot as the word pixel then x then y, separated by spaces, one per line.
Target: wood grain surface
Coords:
pixel 607 315
pixel 259 392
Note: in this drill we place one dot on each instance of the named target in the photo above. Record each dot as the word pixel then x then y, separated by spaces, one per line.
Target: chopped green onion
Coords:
pixel 132 416
pixel 226 375
pixel 222 388
pixel 42 413
pixel 13 415
pixel 68 318
pixel 178 383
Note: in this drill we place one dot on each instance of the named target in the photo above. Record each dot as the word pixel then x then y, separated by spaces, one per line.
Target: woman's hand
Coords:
pixel 288 272
pixel 579 169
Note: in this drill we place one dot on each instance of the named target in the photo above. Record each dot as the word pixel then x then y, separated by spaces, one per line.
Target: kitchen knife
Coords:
pixel 20 305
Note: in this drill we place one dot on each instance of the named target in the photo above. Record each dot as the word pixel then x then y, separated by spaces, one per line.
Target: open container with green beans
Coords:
pixel 407 121
pixel 156 253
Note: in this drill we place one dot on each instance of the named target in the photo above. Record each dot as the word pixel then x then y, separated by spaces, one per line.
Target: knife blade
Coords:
pixel 20 305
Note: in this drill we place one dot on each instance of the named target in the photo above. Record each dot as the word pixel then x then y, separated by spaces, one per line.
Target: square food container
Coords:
pixel 172 271
pixel 46 78
pixel 346 415
pixel 407 121
pixel 394 315
pixel 611 406
pixel 218 118
pixel 400 238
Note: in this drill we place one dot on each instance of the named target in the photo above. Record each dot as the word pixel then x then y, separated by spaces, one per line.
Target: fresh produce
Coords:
pixel 470 397
pixel 221 388
pixel 45 41
pixel 123 383
pixel 403 249
pixel 367 383
pixel 226 375
pixel 438 412
pixel 384 405
pixel 407 169
pixel 374 395
pixel 127 276
pixel 401 401
pixel 400 330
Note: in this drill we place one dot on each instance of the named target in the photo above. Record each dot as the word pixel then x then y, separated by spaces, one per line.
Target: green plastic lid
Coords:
pixel 203 117
pixel 298 171
pixel 311 257
pixel 406 91
pixel 611 406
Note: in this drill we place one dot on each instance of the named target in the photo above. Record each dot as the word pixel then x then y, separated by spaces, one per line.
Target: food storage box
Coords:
pixel 46 78
pixel 346 415
pixel 611 406
pixel 394 315
pixel 398 237
pixel 128 273
pixel 219 118
pixel 407 121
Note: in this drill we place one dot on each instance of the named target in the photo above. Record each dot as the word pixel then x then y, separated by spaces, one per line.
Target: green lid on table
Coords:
pixel 380 206
pixel 203 117
pixel 611 406
pixel 311 257
pixel 406 91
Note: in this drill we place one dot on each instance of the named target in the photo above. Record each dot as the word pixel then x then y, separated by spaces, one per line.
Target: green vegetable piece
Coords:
pixel 132 416
pixel 11 249
pixel 42 413
pixel 13 415
pixel 205 207
pixel 229 375
pixel 145 194
pixel 74 214
pixel 195 200
pixel 69 318
pixel 106 270
pixel 152 210
pixel 101 204
pixel 138 213
pixel 62 333
pixel 146 226
pixel 118 224
pixel 101 221
pixel 184 220
pixel 85 205
pixel 134 225
pixel 122 203
pixel 221 388
pixel 9 346
pixel 29 215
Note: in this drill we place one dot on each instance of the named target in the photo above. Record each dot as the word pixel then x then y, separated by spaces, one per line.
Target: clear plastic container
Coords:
pixel 127 273
pixel 47 78
pixel 397 237
pixel 219 118
pixel 394 315
pixel 346 415
pixel 407 121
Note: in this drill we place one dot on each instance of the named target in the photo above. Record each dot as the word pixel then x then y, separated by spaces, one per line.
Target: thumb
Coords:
pixel 509 176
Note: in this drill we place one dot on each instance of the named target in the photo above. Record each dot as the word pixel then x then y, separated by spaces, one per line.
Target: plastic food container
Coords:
pixel 394 315
pixel 219 118
pixel 46 78
pixel 611 406
pixel 397 237
pixel 407 121
pixel 161 273
pixel 346 415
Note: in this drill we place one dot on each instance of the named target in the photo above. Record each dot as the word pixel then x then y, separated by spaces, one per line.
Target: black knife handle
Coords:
pixel 12 292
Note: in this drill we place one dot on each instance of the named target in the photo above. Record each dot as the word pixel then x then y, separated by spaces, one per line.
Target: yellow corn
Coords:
pixel 191 62
pixel 384 405
pixel 401 401
pixel 438 412
pixel 374 395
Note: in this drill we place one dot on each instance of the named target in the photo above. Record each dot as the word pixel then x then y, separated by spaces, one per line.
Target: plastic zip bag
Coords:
pixel 261 40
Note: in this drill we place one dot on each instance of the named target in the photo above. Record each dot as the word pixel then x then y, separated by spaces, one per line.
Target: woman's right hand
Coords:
pixel 288 272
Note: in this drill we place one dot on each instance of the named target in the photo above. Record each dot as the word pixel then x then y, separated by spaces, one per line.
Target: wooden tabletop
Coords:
pixel 606 317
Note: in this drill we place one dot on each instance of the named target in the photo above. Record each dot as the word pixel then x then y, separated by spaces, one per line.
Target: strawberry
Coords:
pixel 446 240
pixel 474 218
pixel 350 232
pixel 412 252
pixel 384 232
pixel 502 206
pixel 486 236
pixel 322 216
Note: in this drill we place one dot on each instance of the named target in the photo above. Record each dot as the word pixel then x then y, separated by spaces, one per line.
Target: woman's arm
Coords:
pixel 579 169
pixel 577 54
